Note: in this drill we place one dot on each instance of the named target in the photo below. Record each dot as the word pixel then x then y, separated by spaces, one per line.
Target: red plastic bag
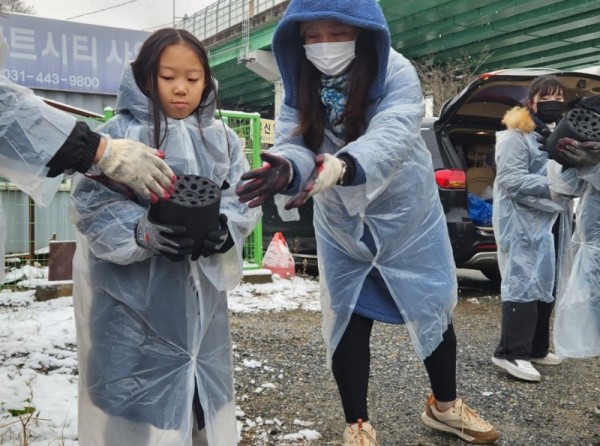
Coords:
pixel 278 258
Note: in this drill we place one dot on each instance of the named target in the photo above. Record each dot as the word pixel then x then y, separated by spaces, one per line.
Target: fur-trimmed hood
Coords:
pixel 519 118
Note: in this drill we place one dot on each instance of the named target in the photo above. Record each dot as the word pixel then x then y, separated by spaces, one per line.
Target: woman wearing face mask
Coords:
pixel 348 134
pixel 523 219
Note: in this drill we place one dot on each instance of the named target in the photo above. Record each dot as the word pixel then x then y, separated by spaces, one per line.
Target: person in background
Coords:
pixel 39 142
pixel 523 218
pixel 348 135
pixel 577 315
pixel 154 347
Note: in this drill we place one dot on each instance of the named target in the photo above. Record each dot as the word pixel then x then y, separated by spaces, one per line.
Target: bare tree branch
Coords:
pixel 16 6
pixel 443 80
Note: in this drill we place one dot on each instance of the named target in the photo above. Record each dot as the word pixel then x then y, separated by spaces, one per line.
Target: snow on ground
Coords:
pixel 38 358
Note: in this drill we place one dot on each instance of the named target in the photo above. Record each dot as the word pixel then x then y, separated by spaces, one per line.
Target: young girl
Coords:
pixel 154 346
pixel 348 134
pixel 523 218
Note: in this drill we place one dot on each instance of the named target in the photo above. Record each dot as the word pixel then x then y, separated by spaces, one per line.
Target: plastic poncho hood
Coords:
pixel 287 42
pixel 132 101
pixel 151 331
pixel 135 116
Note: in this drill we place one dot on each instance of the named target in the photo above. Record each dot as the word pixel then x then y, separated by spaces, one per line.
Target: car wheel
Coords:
pixel 492 274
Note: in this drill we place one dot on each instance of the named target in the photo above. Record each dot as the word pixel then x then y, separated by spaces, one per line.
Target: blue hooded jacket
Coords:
pixel 287 43
pixel 392 221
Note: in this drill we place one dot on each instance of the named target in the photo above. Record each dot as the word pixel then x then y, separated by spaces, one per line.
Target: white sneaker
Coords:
pixel 519 368
pixel 549 359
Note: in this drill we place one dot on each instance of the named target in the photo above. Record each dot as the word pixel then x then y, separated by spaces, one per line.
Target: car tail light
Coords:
pixel 488 74
pixel 450 178
pixel 486 247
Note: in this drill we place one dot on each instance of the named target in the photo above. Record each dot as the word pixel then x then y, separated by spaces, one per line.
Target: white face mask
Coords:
pixel 3 50
pixel 331 58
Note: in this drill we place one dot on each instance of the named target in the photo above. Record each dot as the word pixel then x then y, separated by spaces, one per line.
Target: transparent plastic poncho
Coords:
pixel 399 203
pixel 150 331
pixel 31 132
pixel 523 215
pixel 577 312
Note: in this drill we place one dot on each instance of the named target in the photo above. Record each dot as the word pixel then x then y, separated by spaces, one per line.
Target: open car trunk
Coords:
pixel 468 123
pixel 476 153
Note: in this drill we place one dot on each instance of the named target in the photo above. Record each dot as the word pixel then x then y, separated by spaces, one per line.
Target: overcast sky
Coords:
pixel 136 14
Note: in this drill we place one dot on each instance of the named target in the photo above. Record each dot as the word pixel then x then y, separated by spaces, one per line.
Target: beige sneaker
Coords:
pixel 460 421
pixel 360 434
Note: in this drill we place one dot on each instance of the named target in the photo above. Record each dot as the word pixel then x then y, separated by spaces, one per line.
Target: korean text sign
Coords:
pixel 69 56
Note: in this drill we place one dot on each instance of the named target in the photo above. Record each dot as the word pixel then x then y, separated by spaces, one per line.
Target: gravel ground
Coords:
pixel 286 394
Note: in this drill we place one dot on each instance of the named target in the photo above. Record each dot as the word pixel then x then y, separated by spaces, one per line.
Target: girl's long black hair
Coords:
pixel 145 72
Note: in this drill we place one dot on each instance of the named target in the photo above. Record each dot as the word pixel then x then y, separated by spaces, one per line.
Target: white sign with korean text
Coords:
pixel 69 56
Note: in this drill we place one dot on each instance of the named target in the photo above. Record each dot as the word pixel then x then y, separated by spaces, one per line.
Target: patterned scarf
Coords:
pixel 334 95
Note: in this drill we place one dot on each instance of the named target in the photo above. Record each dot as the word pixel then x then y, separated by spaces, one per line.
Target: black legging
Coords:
pixel 352 358
pixel 197 409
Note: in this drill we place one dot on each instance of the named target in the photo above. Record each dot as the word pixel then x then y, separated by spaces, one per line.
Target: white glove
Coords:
pixel 138 166
pixel 329 171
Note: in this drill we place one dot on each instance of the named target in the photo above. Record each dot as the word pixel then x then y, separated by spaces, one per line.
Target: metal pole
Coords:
pixel 31 231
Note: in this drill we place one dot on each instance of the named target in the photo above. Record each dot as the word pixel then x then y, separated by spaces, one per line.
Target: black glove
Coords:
pixel 270 179
pixel 216 241
pixel 541 140
pixel 579 154
pixel 169 241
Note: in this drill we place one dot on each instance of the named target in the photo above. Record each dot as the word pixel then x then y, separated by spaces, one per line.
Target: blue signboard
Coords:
pixel 69 56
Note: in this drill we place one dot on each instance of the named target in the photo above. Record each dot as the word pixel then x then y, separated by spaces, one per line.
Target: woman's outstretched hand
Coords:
pixel 329 171
pixel 272 178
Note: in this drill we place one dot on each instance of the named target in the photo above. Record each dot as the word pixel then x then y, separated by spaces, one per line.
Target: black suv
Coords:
pixel 461 142
pixel 473 246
